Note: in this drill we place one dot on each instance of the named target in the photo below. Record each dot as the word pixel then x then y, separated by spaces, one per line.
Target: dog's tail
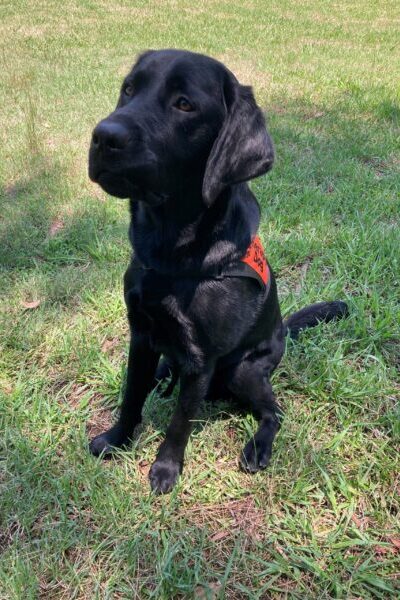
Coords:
pixel 321 312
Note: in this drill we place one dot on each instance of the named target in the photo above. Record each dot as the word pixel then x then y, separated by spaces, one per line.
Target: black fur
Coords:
pixel 182 142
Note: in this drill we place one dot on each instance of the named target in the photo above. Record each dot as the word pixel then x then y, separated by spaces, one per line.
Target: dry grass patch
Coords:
pixel 246 71
pixel 226 519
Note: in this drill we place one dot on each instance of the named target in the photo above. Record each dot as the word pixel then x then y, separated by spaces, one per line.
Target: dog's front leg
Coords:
pixel 142 364
pixel 169 462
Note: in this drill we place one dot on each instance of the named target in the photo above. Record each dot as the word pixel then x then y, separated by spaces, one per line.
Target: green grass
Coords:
pixel 323 522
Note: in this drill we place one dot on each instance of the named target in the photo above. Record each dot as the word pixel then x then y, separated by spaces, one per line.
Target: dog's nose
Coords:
pixel 110 135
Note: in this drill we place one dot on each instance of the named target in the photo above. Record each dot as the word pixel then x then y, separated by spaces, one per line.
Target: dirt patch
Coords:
pixel 56 226
pixel 110 345
pixel 228 518
pixel 75 394
pixel 99 422
pixel 378 165
pixel 313 114
pixel 9 534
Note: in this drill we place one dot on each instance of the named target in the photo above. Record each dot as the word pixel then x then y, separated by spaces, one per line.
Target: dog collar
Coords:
pixel 252 264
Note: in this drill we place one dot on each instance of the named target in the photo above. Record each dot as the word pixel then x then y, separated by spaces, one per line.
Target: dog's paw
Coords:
pixel 163 476
pixel 105 443
pixel 255 456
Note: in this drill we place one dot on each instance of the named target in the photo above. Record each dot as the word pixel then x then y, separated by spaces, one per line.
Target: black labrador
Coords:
pixel 183 140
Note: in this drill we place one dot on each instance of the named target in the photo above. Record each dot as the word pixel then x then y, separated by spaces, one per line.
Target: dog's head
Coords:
pixel 182 122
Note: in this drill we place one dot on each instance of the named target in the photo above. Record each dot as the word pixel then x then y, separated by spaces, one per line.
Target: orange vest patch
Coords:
pixel 255 258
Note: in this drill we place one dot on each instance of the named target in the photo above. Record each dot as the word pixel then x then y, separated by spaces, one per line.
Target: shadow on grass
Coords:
pixel 26 213
pixel 158 411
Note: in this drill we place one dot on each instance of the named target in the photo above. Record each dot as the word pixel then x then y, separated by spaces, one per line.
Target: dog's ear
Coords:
pixel 243 148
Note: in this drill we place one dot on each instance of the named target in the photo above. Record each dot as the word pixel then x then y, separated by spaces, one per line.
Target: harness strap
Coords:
pixel 253 264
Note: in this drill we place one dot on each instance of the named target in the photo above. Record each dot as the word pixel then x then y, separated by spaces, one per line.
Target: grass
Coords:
pixel 323 522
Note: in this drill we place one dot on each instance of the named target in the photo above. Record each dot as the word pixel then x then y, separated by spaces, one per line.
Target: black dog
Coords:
pixel 184 138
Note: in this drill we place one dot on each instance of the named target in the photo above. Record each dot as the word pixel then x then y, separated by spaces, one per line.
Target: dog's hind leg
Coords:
pixel 250 384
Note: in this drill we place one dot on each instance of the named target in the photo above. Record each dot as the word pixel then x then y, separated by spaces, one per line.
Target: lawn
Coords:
pixel 323 521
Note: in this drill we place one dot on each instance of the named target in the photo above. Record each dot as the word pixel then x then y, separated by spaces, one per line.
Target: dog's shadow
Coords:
pixel 158 410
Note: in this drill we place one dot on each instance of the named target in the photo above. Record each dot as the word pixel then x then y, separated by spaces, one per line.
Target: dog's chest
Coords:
pixel 157 307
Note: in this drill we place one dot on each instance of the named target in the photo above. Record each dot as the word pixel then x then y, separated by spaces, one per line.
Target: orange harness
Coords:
pixel 252 264
pixel 255 259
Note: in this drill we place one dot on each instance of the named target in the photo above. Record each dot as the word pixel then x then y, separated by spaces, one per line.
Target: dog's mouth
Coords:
pixel 121 186
pixel 115 184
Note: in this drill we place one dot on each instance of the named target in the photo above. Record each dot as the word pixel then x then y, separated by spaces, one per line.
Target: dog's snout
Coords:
pixel 110 135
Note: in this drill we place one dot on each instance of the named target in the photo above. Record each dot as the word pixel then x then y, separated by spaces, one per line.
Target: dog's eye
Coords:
pixel 129 90
pixel 183 104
